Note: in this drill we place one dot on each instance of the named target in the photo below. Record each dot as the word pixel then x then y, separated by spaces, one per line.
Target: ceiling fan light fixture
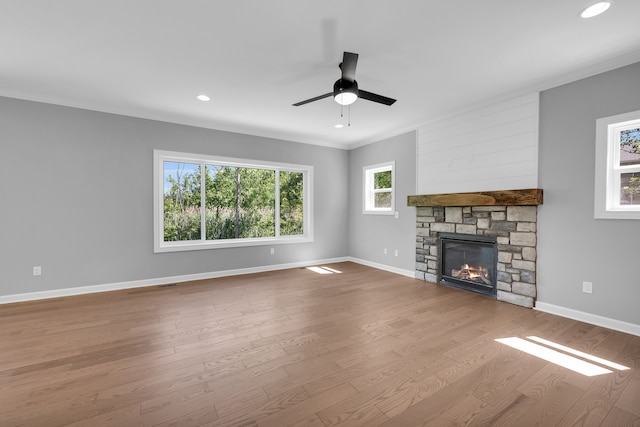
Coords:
pixel 595 9
pixel 346 98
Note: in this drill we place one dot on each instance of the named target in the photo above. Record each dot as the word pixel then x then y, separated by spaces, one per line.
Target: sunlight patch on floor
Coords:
pixel 561 359
pixel 581 354
pixel 324 270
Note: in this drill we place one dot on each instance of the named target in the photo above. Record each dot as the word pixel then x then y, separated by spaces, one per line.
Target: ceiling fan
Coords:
pixel 345 89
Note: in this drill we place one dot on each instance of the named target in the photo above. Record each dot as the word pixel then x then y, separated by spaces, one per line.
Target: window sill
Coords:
pixel 385 212
pixel 621 214
pixel 230 243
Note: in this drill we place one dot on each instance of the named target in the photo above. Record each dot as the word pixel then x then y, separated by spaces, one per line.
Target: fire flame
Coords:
pixel 473 273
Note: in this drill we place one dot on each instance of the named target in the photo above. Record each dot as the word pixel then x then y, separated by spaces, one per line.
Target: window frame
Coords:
pixel 608 169
pixel 368 190
pixel 160 245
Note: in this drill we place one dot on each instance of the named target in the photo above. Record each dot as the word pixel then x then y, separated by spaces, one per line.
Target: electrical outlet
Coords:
pixel 395 252
pixel 587 287
pixel 37 271
pixel 385 251
pixel 272 251
pixel 396 215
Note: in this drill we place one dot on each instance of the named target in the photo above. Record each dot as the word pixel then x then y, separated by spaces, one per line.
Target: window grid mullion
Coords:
pixel 616 168
pixel 203 203
pixel 277 203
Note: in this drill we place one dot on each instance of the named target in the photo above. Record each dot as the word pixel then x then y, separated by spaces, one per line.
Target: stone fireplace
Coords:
pixel 509 217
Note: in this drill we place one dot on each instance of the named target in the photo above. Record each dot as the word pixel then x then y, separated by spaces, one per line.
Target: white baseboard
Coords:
pixel 616 325
pixel 383 267
pixel 58 293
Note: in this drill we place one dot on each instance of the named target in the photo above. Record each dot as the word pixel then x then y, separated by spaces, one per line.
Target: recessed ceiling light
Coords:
pixel 595 9
pixel 339 126
pixel 203 97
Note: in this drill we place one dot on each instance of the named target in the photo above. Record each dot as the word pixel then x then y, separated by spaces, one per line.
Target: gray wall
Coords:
pixel 370 234
pixel 76 190
pixel 572 245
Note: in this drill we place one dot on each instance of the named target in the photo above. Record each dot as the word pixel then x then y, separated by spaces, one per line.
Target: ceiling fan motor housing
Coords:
pixel 341 86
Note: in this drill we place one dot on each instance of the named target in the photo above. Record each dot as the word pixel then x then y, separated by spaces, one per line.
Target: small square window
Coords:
pixel 617 192
pixel 379 195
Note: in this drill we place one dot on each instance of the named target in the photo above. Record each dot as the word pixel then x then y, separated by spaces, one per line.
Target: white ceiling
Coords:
pixel 254 58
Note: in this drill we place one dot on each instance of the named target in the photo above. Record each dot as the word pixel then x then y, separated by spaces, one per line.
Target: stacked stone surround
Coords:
pixel 514 228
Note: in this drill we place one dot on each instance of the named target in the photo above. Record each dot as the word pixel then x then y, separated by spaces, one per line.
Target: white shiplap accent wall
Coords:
pixel 493 148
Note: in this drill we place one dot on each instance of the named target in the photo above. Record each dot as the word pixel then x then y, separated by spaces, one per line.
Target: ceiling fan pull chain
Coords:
pixel 349 113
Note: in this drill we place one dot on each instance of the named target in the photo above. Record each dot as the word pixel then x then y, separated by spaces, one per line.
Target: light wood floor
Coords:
pixel 361 347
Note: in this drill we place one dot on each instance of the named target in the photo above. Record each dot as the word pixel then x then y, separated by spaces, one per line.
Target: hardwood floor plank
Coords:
pixel 620 418
pixel 160 382
pixel 362 408
pixel 551 407
pixel 239 385
pixel 337 377
pixel 264 408
pixel 410 393
pixel 550 377
pixel 119 417
pixel 595 404
pixel 508 414
pixel 462 412
pixel 628 399
pixel 182 407
pixel 311 421
pixel 233 403
pixel 427 410
pixel 305 408
pixel 503 374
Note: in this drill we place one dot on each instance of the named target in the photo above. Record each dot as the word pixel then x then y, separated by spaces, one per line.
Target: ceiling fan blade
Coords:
pixel 306 101
pixel 375 97
pixel 348 66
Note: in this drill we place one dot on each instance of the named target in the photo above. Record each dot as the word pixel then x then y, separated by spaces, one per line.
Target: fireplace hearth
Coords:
pixel 468 262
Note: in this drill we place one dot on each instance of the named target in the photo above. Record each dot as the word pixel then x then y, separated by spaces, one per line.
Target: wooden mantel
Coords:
pixel 527 197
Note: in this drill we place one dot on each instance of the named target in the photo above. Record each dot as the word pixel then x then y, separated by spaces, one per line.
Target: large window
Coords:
pixel 379 197
pixel 618 167
pixel 203 202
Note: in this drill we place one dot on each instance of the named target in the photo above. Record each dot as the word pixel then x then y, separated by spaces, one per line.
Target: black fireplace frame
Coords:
pixel 468 285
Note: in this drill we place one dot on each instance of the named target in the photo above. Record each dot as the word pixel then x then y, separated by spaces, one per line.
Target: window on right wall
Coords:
pixel 379 194
pixel 617 191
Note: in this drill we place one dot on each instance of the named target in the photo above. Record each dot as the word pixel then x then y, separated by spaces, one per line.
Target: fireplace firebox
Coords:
pixel 468 262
